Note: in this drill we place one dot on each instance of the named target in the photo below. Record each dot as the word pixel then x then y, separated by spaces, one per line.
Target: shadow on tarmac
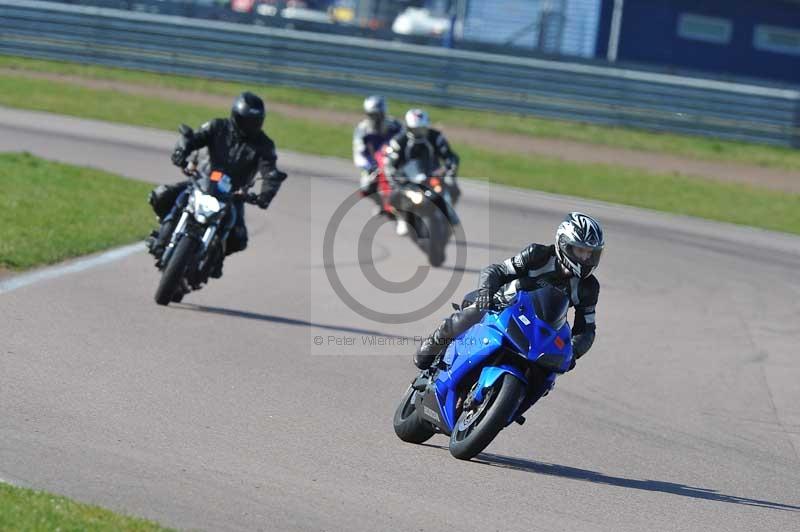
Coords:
pixel 280 319
pixel 574 473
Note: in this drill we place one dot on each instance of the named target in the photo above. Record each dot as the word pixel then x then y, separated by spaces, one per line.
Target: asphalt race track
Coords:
pixel 264 402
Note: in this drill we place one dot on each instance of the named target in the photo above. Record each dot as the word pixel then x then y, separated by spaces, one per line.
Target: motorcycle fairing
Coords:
pixel 462 356
pixel 490 375
pixel 549 348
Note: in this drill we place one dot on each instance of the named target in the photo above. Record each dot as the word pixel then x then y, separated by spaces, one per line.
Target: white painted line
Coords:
pixel 79 265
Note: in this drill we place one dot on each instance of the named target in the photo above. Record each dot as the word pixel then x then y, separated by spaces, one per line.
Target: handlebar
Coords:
pixel 190 171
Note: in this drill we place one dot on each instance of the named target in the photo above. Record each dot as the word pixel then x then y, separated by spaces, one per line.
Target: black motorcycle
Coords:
pixel 425 202
pixel 197 244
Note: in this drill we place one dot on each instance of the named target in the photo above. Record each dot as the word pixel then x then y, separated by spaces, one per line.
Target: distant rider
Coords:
pixel 567 265
pixel 238 147
pixel 427 145
pixel 369 137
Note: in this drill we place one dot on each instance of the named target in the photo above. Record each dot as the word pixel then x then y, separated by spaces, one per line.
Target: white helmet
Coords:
pixel 417 123
pixel 579 244
pixel 375 105
pixel 375 109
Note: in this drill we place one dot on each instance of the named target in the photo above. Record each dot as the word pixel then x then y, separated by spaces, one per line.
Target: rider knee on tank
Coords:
pixel 449 329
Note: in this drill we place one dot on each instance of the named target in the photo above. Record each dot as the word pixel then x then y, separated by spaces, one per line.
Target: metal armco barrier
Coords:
pixel 456 78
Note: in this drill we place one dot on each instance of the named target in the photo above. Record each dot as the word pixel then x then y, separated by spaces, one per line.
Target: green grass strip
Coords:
pixel 727 202
pixel 51 211
pixel 113 106
pixel 683 145
pixel 38 511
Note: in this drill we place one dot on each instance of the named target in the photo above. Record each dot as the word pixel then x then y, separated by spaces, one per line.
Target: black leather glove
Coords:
pixel 263 200
pixel 485 299
pixel 179 156
pixel 277 174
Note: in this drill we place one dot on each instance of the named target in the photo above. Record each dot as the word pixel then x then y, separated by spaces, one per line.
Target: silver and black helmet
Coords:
pixel 579 244
pixel 375 109
pixel 417 124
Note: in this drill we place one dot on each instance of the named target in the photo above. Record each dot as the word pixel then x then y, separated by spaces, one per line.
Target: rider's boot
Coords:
pixel 430 349
pixel 151 240
pixel 402 226
pixel 216 269
pixel 161 239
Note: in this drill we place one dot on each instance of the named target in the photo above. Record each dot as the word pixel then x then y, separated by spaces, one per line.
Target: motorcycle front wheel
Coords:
pixel 437 239
pixel 407 424
pixel 478 426
pixel 172 274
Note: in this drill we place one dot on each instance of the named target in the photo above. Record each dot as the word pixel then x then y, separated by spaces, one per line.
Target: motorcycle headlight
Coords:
pixel 415 196
pixel 204 206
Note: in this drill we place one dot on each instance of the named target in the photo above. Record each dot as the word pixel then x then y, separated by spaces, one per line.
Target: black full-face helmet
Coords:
pixel 579 244
pixel 248 114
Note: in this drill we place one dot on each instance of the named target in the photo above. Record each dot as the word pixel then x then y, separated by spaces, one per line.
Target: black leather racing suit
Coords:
pixel 431 151
pixel 239 157
pixel 533 267
pixel 236 155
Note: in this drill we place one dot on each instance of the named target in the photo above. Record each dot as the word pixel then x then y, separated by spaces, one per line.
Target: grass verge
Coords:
pixel 34 511
pixel 51 211
pixel 725 202
pixel 682 145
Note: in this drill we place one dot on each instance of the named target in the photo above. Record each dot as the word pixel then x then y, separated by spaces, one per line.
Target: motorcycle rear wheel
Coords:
pixel 170 278
pixel 476 428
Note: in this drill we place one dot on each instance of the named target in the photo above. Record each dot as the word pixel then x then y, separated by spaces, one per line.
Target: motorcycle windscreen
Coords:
pixel 550 305
pixel 415 171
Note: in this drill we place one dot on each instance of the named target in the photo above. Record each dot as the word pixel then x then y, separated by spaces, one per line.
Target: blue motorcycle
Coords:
pixel 490 375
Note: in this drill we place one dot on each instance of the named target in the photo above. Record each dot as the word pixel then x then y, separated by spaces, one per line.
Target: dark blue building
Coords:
pixel 737 38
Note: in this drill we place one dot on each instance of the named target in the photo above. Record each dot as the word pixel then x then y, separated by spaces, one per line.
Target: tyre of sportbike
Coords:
pixel 408 426
pixel 171 276
pixel 437 240
pixel 476 428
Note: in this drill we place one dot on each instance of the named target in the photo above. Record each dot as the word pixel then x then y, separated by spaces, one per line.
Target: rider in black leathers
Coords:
pixel 238 147
pixel 420 142
pixel 567 265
